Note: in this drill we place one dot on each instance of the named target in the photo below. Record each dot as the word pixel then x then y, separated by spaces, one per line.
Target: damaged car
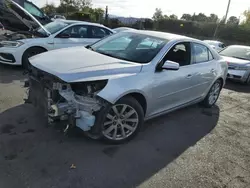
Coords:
pixel 110 88
pixel 35 38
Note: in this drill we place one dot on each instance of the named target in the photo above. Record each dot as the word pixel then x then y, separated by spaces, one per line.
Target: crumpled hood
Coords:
pixel 232 60
pixel 80 64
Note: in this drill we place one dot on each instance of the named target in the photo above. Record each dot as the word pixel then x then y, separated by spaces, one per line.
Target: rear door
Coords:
pixel 76 35
pixel 204 66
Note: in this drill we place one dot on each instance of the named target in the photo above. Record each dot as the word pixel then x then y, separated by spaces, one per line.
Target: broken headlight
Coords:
pixel 88 88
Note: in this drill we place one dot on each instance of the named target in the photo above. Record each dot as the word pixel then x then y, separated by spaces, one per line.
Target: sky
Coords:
pixel 146 8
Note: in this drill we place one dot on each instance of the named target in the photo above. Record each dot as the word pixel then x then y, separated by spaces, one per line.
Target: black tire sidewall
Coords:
pixel 101 117
pixel 26 56
pixel 206 100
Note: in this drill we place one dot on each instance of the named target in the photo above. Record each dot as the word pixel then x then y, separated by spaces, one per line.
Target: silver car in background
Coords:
pixel 216 45
pixel 110 88
pixel 238 58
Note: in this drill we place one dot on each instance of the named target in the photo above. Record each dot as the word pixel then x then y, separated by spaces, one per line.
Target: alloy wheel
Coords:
pixel 214 93
pixel 121 122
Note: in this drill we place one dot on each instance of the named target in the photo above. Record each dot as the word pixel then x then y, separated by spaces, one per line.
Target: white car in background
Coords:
pixel 20 46
pixel 217 45
pixel 119 29
pixel 56 17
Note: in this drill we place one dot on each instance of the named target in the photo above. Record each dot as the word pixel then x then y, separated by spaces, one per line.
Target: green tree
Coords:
pixel 173 17
pixel 157 15
pixel 71 6
pixel 233 20
pixel 213 18
pixel 49 9
pixel 247 16
pixel 165 16
pixel 186 17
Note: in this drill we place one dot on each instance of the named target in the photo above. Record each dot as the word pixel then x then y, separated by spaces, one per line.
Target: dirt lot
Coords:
pixel 192 147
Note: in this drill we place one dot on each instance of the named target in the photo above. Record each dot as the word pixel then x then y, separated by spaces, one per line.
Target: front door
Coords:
pixel 174 88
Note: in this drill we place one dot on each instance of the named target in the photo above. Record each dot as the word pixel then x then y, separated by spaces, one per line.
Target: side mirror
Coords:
pixel 171 65
pixel 63 35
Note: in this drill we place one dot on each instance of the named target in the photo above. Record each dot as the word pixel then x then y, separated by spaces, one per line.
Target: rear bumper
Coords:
pixel 238 75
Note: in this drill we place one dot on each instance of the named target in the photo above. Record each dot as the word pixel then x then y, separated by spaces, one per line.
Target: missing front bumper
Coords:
pixel 60 104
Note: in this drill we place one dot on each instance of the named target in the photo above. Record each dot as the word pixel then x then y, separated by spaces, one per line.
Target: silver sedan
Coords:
pixel 110 88
pixel 238 58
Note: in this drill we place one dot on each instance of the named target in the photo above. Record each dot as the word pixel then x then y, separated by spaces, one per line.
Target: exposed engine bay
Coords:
pixel 13 36
pixel 76 104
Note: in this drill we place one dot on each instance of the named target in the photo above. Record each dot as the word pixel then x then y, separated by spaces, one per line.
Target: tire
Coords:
pixel 107 122
pixel 248 80
pixel 215 92
pixel 29 53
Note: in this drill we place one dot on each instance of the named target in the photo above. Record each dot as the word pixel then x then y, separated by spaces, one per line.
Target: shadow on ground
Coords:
pixel 33 155
pixel 8 73
pixel 238 87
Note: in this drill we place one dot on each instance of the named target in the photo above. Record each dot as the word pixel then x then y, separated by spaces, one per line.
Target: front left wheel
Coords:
pixel 120 122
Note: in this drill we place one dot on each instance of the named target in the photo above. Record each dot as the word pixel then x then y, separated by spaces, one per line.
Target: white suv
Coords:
pixel 19 47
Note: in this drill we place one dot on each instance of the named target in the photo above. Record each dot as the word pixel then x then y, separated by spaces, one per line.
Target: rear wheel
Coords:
pixel 248 80
pixel 29 53
pixel 213 94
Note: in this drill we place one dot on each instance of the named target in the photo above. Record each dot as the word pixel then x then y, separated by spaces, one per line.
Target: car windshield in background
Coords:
pixel 236 52
pixel 53 27
pixel 129 46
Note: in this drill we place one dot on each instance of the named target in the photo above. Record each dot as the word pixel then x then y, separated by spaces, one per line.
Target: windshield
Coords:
pixel 237 52
pixel 130 46
pixel 33 9
pixel 53 27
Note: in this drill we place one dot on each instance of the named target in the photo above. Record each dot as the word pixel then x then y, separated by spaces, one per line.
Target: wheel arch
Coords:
pixel 222 81
pixel 37 46
pixel 139 97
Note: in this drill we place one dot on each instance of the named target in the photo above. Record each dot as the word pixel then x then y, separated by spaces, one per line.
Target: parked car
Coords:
pixel 57 16
pixel 18 47
pixel 11 23
pixel 119 29
pixel 217 45
pixel 238 58
pixel 109 93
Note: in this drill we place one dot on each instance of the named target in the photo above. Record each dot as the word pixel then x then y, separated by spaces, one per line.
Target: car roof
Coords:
pixel 239 46
pixel 79 22
pixel 158 34
pixel 214 41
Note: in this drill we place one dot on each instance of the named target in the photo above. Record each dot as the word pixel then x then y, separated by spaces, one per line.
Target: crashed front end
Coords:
pixel 74 104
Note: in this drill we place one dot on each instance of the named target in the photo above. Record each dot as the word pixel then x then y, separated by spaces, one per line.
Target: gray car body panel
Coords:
pixel 164 90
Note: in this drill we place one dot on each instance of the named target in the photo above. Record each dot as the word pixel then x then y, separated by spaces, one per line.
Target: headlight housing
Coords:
pixel 11 44
pixel 88 88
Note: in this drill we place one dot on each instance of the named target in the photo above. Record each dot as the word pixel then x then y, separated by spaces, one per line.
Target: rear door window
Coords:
pixel 99 32
pixel 78 31
pixel 201 53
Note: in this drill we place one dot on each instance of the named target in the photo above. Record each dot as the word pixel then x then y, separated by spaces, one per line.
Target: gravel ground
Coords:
pixel 192 147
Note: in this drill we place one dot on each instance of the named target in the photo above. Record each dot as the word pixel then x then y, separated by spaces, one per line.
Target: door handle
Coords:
pixel 212 70
pixel 189 76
